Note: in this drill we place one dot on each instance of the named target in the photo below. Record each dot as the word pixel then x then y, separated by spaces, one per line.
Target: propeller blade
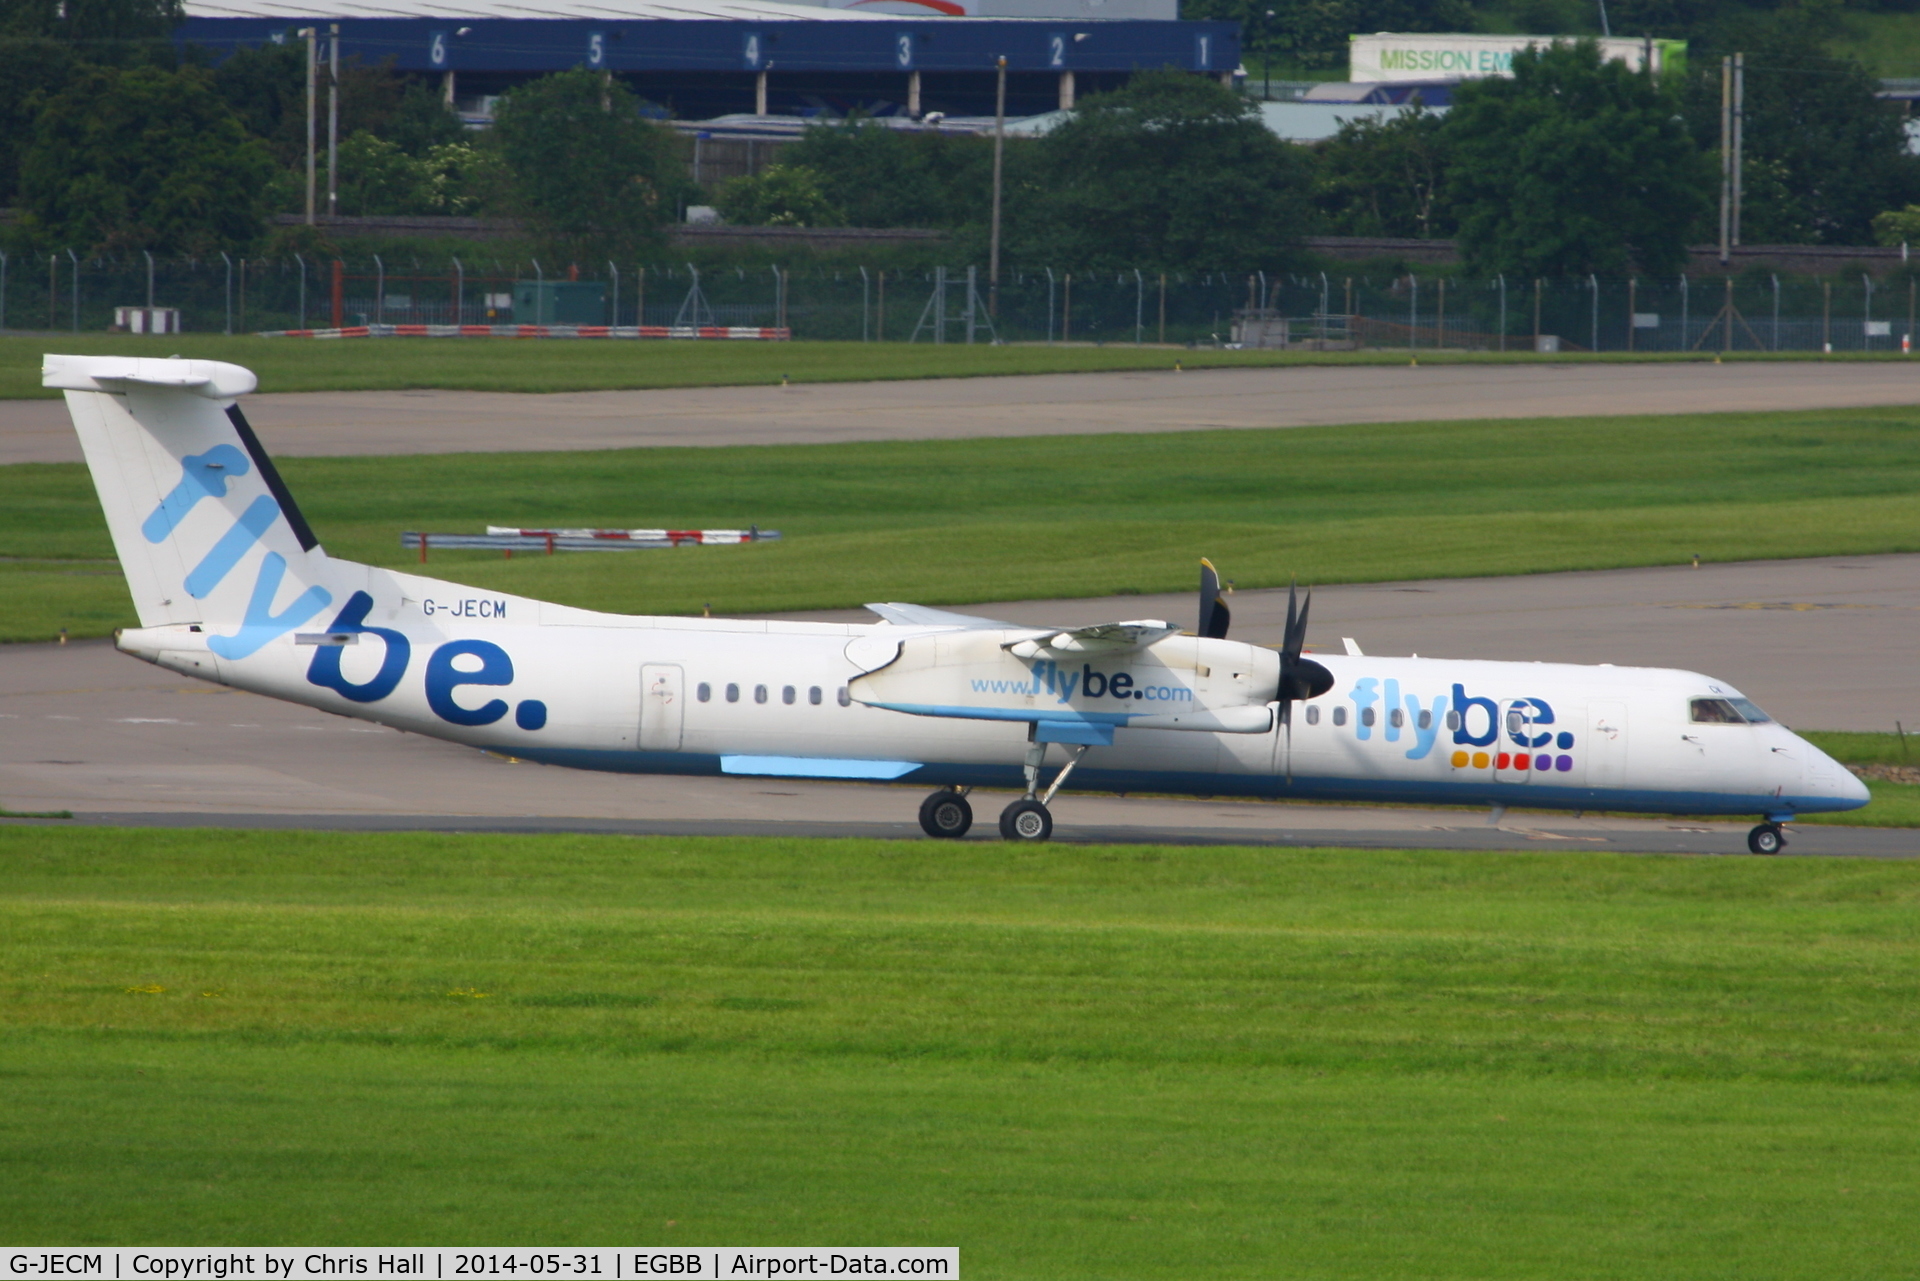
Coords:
pixel 1214 614
pixel 1286 638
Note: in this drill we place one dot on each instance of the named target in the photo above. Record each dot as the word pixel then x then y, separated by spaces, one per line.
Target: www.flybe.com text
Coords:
pixel 1049 678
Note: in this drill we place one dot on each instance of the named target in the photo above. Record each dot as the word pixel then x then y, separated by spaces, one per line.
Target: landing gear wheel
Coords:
pixel 1766 839
pixel 946 816
pixel 1026 820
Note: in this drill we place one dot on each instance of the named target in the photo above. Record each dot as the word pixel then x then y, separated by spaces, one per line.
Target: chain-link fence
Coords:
pixel 1328 311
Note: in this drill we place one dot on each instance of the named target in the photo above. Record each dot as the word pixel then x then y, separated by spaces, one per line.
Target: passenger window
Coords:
pixel 1339 716
pixel 1453 720
pixel 1714 711
pixel 703 691
pixel 846 699
pixel 1313 716
pixel 1752 714
pixel 1513 722
pixel 759 693
pixel 733 693
pixel 1396 718
pixel 1366 716
pixel 1426 720
pixel 786 696
pixel 813 695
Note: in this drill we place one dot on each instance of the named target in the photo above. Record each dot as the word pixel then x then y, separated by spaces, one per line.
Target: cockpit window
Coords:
pixel 1715 711
pixel 1753 714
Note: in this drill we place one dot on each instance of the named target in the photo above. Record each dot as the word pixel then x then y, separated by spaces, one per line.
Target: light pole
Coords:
pixel 310 35
pixel 333 121
pixel 999 148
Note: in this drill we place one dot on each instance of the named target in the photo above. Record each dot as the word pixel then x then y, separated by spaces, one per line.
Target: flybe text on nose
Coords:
pixel 1473 721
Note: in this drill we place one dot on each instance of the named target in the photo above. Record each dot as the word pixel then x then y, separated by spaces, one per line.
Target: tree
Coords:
pixel 112 32
pixel 143 159
pixel 781 196
pixel 1173 172
pixel 1822 153
pixel 590 175
pixel 1387 177
pixel 879 176
pixel 1574 165
pixel 31 70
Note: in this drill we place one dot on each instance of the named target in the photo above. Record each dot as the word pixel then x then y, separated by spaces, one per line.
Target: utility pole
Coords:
pixel 310 35
pixel 333 120
pixel 1727 154
pixel 999 147
pixel 1739 116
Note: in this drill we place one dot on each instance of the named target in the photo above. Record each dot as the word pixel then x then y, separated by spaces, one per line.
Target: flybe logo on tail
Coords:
pixel 486 664
pixel 207 476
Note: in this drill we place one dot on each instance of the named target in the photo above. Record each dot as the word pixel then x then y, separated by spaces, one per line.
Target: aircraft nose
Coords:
pixel 1852 787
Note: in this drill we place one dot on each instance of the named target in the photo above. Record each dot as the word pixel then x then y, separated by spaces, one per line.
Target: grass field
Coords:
pixel 293 364
pixel 950 522
pixel 1069 1061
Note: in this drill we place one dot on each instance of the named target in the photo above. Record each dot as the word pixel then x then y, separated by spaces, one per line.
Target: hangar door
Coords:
pixel 662 707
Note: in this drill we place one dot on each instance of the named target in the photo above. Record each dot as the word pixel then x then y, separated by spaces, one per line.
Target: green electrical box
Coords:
pixel 559 302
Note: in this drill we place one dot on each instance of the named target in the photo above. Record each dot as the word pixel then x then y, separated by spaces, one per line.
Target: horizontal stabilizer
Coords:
pixel 214 379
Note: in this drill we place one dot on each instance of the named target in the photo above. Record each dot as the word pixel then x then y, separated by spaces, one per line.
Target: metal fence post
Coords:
pixel 1413 311
pixel 75 259
pixel 460 291
pixel 229 289
pixel 1776 312
pixel 1139 307
pixel 614 311
pixel 1593 282
pixel 970 316
pixel 149 257
pixel 1503 310
pixel 3 290
pixel 380 290
pixel 1686 317
pixel 863 305
pixel 1049 304
pixel 539 291
pixel 303 265
pixel 1866 313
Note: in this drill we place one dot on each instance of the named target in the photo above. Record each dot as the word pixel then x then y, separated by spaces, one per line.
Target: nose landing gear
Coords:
pixel 1766 839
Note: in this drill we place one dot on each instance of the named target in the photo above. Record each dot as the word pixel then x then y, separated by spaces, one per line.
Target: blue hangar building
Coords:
pixel 705 58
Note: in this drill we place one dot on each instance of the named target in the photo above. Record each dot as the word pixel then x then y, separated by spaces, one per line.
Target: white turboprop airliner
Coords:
pixel 231 586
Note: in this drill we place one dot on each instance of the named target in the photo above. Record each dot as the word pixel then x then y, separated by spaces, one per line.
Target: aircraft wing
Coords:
pixel 901 614
pixel 1101 638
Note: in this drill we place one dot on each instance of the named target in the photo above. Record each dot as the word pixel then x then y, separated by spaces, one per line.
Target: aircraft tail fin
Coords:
pixel 204 527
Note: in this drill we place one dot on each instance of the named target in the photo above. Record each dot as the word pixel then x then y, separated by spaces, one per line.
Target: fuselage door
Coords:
pixel 1605 751
pixel 662 707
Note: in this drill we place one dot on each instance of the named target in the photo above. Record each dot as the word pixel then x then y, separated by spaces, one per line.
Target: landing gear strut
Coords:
pixel 1028 818
pixel 946 815
pixel 1766 839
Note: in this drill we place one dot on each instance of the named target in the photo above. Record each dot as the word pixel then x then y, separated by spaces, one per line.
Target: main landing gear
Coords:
pixel 1766 839
pixel 946 815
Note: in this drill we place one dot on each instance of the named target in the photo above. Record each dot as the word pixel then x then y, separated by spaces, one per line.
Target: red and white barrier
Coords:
pixel 747 332
pixel 672 537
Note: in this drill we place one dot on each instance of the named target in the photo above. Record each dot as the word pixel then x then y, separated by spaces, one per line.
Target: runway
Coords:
pixel 85 728
pixel 417 422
